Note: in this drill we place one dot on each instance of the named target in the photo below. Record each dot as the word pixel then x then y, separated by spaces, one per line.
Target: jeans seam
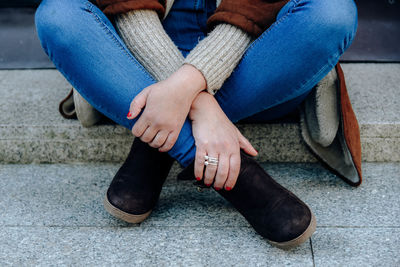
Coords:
pixel 195 4
pixel 115 40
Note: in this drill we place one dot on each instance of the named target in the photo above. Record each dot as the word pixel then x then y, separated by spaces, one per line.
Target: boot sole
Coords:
pixel 300 239
pixel 122 215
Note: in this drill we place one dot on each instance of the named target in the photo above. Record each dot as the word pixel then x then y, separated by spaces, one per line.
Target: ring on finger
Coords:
pixel 210 161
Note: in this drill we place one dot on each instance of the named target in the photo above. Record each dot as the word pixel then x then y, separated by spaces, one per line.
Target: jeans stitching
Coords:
pixel 115 40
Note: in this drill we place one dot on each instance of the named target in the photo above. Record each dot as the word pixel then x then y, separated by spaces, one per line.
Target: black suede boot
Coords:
pixel 273 211
pixel 136 187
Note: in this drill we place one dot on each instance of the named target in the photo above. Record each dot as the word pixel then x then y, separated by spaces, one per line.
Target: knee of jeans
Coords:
pixel 53 20
pixel 337 19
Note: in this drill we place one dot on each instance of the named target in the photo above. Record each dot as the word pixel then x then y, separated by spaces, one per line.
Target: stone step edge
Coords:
pixel 77 132
pixel 280 142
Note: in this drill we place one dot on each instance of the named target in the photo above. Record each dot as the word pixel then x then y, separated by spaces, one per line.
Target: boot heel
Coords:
pixel 122 215
pixel 300 239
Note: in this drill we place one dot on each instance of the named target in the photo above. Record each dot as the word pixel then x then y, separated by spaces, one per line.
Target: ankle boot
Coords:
pixel 272 210
pixel 136 187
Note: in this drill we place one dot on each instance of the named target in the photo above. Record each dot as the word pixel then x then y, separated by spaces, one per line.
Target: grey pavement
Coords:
pixel 51 214
pixel 31 129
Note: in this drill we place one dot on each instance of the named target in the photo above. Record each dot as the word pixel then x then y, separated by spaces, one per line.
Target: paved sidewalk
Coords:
pixel 51 214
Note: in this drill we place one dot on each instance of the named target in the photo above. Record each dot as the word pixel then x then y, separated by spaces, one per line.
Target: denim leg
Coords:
pixel 290 57
pixel 86 49
pixel 281 67
pixel 283 64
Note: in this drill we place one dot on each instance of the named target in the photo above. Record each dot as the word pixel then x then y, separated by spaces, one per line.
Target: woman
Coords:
pixel 256 58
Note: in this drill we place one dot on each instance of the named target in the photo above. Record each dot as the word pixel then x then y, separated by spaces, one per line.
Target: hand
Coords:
pixel 166 105
pixel 216 136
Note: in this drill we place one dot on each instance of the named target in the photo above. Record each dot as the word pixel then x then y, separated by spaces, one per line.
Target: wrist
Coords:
pixel 190 78
pixel 203 101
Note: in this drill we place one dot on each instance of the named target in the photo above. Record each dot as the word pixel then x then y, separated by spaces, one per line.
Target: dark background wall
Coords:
pixel 20 3
pixel 377 40
pixel 378 34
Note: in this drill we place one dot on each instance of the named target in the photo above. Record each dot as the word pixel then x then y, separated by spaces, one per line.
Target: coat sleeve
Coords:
pixel 252 16
pixel 114 7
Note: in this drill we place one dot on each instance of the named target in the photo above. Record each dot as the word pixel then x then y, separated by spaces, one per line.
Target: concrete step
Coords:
pixel 31 129
pixel 52 214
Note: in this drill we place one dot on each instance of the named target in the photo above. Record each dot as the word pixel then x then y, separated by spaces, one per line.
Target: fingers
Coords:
pixel 152 135
pixel 199 163
pixel 246 145
pixel 234 168
pixel 222 171
pixel 211 170
pixel 149 134
pixel 169 143
pixel 137 104
pixel 159 139
pixel 140 127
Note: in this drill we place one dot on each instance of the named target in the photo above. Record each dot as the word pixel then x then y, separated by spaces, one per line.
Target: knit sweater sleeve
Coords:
pixel 144 35
pixel 217 55
pixel 232 27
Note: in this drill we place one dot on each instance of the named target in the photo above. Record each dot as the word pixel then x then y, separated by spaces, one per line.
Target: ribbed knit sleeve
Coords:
pixel 143 33
pixel 217 55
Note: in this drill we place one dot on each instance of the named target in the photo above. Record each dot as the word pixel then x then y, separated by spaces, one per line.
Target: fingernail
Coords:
pixel 217 188
pixel 256 150
pixel 207 185
pixel 228 188
pixel 129 114
pixel 198 178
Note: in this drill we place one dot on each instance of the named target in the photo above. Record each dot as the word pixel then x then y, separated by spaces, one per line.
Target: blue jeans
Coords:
pixel 276 73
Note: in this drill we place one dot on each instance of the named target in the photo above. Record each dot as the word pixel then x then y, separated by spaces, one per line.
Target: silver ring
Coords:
pixel 210 161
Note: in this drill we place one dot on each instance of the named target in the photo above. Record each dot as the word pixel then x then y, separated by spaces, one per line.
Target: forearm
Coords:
pixel 217 55
pixel 234 24
pixel 144 35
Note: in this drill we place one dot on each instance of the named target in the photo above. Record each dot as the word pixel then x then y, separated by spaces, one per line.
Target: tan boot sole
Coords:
pixel 122 215
pixel 300 239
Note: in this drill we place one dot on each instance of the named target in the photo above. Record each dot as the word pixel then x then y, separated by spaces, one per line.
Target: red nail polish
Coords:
pixel 129 114
pixel 198 178
pixel 228 188
pixel 217 188
pixel 207 185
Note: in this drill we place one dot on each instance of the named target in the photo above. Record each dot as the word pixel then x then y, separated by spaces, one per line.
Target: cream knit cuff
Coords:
pixel 217 55
pixel 144 35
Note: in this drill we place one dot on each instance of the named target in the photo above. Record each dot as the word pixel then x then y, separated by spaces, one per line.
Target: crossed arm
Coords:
pixel 186 86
